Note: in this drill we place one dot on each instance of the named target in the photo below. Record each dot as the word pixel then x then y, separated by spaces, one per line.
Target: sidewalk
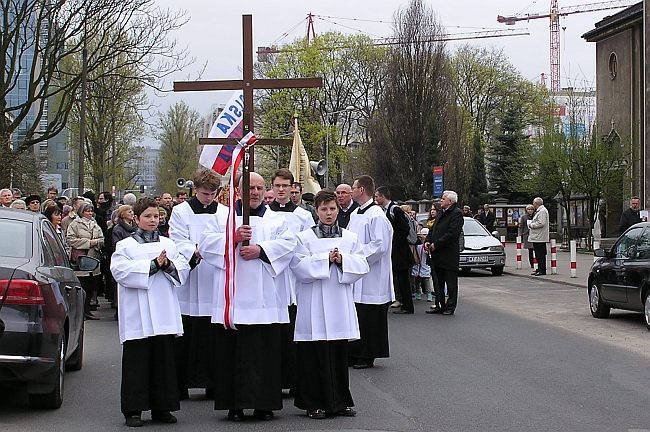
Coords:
pixel 563 276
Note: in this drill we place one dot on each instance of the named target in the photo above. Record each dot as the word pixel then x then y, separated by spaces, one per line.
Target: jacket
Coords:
pixel 80 232
pixel 539 226
pixel 445 237
pixel 401 255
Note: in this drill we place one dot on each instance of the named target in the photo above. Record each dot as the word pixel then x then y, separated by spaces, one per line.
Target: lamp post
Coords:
pixel 328 115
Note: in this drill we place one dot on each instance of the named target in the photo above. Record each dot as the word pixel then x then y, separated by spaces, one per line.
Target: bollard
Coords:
pixel 534 261
pixel 519 253
pixel 574 266
pixel 596 246
pixel 553 257
pixel 503 241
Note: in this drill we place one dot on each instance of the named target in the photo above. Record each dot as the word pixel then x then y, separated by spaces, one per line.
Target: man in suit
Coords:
pixel 346 203
pixel 444 250
pixel 486 217
pixel 631 215
pixel 401 256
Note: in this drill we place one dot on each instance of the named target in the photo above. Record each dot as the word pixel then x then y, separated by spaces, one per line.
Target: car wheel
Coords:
pixel 53 399
pixel 646 308
pixel 497 271
pixel 76 360
pixel 596 305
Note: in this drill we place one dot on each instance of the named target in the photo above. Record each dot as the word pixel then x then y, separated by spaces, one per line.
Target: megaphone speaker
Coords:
pixel 319 167
pixel 180 182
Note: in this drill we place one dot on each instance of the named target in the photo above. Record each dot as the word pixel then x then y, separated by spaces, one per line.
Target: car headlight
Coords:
pixel 496 248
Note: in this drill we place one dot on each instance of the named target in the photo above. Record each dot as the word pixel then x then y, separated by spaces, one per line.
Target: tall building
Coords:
pixel 145 167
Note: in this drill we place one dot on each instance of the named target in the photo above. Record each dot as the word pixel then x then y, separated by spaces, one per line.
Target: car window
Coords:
pixel 643 246
pixel 624 244
pixel 52 247
pixel 16 238
pixel 472 227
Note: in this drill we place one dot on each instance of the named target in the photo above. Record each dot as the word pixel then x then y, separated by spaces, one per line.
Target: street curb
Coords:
pixel 545 279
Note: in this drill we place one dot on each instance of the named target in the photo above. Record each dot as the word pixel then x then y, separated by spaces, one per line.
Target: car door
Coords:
pixel 63 278
pixel 636 269
pixel 613 277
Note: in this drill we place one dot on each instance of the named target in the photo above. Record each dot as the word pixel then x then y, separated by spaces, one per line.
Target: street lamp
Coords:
pixel 328 115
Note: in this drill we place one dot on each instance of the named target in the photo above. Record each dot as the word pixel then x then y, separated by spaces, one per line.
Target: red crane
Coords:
pixel 554 15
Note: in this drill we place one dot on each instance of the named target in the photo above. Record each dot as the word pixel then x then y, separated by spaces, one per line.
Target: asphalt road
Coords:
pixel 519 355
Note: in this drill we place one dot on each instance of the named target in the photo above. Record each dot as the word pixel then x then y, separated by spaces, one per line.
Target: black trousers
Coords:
pixel 149 375
pixel 89 285
pixel 540 253
pixel 402 285
pixel 195 353
pixel 323 380
pixel 450 279
pixel 289 350
pixel 373 326
pixel 531 257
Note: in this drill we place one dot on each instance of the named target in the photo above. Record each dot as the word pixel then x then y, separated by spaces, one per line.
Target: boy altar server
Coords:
pixel 328 261
pixel 148 269
pixel 247 361
pixel 298 219
pixel 186 226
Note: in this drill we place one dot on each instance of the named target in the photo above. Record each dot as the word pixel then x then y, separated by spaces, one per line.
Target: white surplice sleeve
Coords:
pixel 354 264
pixel 279 248
pixel 127 271
pixel 213 242
pixel 309 267
pixel 380 233
pixel 181 261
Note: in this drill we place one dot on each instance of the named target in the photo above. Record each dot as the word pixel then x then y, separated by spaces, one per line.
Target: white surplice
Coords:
pixel 186 228
pixel 376 237
pixel 147 305
pixel 257 298
pixel 326 308
pixel 297 221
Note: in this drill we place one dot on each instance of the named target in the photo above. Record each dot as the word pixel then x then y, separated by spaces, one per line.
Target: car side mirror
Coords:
pixel 600 253
pixel 86 263
pixel 495 234
pixel 632 252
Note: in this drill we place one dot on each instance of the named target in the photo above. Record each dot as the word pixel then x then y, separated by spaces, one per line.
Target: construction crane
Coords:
pixel 554 15
pixel 262 52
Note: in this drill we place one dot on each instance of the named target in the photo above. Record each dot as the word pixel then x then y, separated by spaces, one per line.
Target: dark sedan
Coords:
pixel 41 308
pixel 620 277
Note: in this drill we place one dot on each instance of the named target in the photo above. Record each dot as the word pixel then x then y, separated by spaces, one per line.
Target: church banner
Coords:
pixel 227 125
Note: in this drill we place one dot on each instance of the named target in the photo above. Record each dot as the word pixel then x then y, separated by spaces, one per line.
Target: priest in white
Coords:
pixel 298 219
pixel 328 261
pixel 194 350
pixel 248 359
pixel 148 270
pixel 374 292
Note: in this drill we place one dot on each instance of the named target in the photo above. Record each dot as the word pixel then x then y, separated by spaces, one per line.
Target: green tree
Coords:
pixel 179 132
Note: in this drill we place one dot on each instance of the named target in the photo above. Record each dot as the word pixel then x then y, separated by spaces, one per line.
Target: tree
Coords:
pixel 410 125
pixel 37 38
pixel 179 133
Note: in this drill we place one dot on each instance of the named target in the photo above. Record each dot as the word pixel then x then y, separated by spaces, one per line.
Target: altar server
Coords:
pixel 148 270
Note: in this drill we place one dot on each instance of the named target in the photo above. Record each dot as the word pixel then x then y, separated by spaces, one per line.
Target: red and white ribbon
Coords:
pixel 231 226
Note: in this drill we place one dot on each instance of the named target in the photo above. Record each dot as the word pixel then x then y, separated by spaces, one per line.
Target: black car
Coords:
pixel 41 307
pixel 620 277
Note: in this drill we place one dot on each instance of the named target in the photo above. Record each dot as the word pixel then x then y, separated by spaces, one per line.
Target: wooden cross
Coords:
pixel 247 84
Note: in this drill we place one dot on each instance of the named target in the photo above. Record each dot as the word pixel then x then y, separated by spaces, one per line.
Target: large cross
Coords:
pixel 248 84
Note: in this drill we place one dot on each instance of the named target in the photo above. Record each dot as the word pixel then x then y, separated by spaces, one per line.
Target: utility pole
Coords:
pixel 82 120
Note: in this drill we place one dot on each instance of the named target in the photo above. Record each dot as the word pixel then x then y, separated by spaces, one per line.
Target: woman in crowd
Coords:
pixel 33 203
pixel 433 214
pixel 18 205
pixel 125 225
pixel 523 232
pixel 85 237
pixel 53 214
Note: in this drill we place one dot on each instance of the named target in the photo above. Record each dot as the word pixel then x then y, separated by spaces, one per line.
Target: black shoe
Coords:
pixel 163 417
pixel 539 274
pixel 402 312
pixel 347 412
pixel 316 414
pixel 263 414
pixel 236 415
pixel 134 421
pixel 447 312
pixel 434 311
pixel 534 273
pixel 89 316
pixel 363 365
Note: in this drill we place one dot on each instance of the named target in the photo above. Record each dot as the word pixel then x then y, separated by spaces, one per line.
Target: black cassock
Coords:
pixel 373 327
pixel 247 367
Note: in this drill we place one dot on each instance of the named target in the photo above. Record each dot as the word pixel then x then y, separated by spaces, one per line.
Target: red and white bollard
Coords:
pixel 503 241
pixel 574 255
pixel 596 246
pixel 553 257
pixel 519 253
pixel 535 265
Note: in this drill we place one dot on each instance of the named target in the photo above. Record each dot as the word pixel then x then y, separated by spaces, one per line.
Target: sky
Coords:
pixel 213 35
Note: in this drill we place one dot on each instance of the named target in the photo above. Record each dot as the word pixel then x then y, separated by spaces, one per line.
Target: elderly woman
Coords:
pixel 18 205
pixel 523 231
pixel 53 214
pixel 85 237
pixel 125 225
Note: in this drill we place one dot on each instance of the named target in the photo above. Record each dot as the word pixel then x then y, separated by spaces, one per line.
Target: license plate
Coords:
pixel 477 259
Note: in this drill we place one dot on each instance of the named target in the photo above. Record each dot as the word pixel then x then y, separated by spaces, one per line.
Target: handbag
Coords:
pixel 76 253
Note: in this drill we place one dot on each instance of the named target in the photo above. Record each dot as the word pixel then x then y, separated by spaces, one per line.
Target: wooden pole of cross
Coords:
pixel 248 84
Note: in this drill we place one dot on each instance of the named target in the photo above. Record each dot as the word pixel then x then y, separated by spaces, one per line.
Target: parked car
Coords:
pixel 41 307
pixel 482 249
pixel 619 278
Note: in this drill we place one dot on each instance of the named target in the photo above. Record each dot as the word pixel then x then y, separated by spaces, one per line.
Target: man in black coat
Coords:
pixel 630 216
pixel 401 257
pixel 444 250
pixel 486 217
